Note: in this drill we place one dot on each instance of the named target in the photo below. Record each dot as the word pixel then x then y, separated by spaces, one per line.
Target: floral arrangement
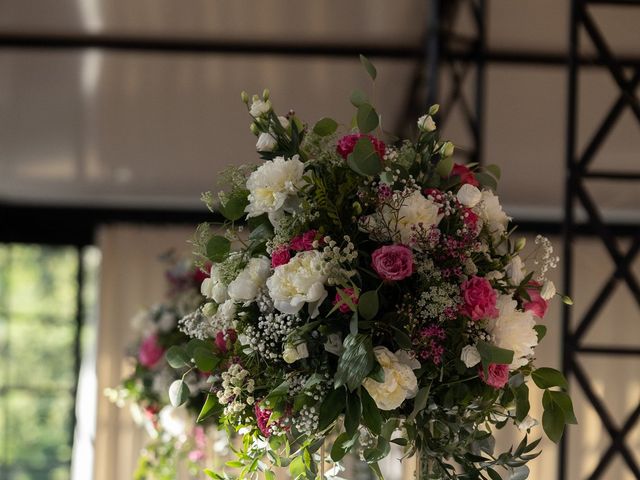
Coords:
pixel 368 293
pixel 175 437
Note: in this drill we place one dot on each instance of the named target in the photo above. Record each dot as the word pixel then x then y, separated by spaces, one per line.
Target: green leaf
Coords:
pixel 492 354
pixel 371 417
pixel 269 475
pixel 332 406
pixel 377 453
pixel 209 407
pixel 218 248
pixel 368 66
pixel 205 359
pixel 234 207
pixel 494 170
pixel 364 159
pixel 541 331
pixel 566 405
pixel 553 418
pixel 493 474
pixel 402 339
pixel 548 377
pixel 178 393
pixel 368 304
pixel 519 473
pixel 420 401
pixel 177 357
pixel 325 126
pixel 353 413
pixel 355 362
pixel 367 118
pixel 297 468
pixel 342 445
pixel 521 395
pixel 358 97
pixel 444 167
pixel 263 231
pixel 486 180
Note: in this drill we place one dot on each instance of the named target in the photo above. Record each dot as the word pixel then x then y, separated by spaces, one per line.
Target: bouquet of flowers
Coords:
pixel 374 295
pixel 174 434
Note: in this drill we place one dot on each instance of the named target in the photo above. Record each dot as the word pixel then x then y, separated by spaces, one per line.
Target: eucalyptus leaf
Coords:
pixel 177 357
pixel 367 118
pixel 218 248
pixel 486 180
pixel 205 359
pixel 364 159
pixel 358 97
pixel 325 126
pixel 368 66
pixel 493 170
pixel 368 304
pixel 178 393
pixel 233 208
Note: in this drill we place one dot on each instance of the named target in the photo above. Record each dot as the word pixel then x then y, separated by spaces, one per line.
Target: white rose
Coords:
pixel 469 195
pixel 250 280
pixel 213 287
pixel 416 211
pixel 527 423
pixel 273 186
pixel 334 344
pixel 491 213
pixel 513 330
pixel 470 356
pixel 426 123
pixel 515 270
pixel 174 421
pixel 259 107
pixel 548 290
pixel 294 353
pixel 399 383
pixel 266 142
pixel 299 281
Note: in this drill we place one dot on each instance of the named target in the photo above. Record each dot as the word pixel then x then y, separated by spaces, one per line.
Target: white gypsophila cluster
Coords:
pixel 267 337
pixel 197 325
pixel 437 300
pixel 220 317
pixel 306 420
pixel 237 389
pixel 544 259
pixel 317 392
pixel 335 257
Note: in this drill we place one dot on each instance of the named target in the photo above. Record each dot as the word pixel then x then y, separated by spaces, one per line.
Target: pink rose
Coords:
pixel 498 375
pixel 344 308
pixel 347 143
pixel 537 305
pixel 150 352
pixel 465 174
pixel 280 256
pixel 479 299
pixel 304 242
pixel 392 262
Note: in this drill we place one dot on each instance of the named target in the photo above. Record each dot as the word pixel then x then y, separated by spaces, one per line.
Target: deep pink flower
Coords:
pixel 347 143
pixel 470 219
pixel 498 375
pixel 304 242
pixel 344 308
pixel 280 256
pixel 392 262
pixel 150 352
pixel 224 339
pixel 465 174
pixel 262 419
pixel 537 305
pixel 479 299
pixel 200 274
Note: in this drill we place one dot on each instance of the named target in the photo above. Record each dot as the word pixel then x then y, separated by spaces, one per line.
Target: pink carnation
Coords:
pixel 150 352
pixel 200 274
pixel 465 174
pixel 498 375
pixel 280 256
pixel 537 305
pixel 224 339
pixel 344 308
pixel 479 299
pixel 262 419
pixel 392 262
pixel 347 143
pixel 304 242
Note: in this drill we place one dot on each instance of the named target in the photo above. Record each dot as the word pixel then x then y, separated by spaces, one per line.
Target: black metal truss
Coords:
pixel 578 172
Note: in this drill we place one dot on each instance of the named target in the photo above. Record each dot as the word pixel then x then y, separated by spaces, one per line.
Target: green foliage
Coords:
pixel 368 66
pixel 178 393
pixel 364 159
pixel 367 118
pixel 548 377
pixel 325 126
pixel 492 354
pixel 355 362
pixel 218 248
pixel 177 356
pixel 369 304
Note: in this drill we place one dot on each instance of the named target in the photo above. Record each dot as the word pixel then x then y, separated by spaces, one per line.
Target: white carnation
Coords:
pixel 399 383
pixel 213 287
pixel 250 280
pixel 491 213
pixel 470 356
pixel 469 195
pixel 273 186
pixel 515 270
pixel 297 282
pixel 548 290
pixel 266 142
pixel 416 211
pixel 513 330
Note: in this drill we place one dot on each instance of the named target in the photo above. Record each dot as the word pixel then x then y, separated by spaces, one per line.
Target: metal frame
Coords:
pixel 578 171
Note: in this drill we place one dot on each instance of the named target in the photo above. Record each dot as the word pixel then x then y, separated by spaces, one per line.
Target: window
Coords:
pixel 44 294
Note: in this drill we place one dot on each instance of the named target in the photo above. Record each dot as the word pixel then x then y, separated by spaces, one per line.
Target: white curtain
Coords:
pixel 132 278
